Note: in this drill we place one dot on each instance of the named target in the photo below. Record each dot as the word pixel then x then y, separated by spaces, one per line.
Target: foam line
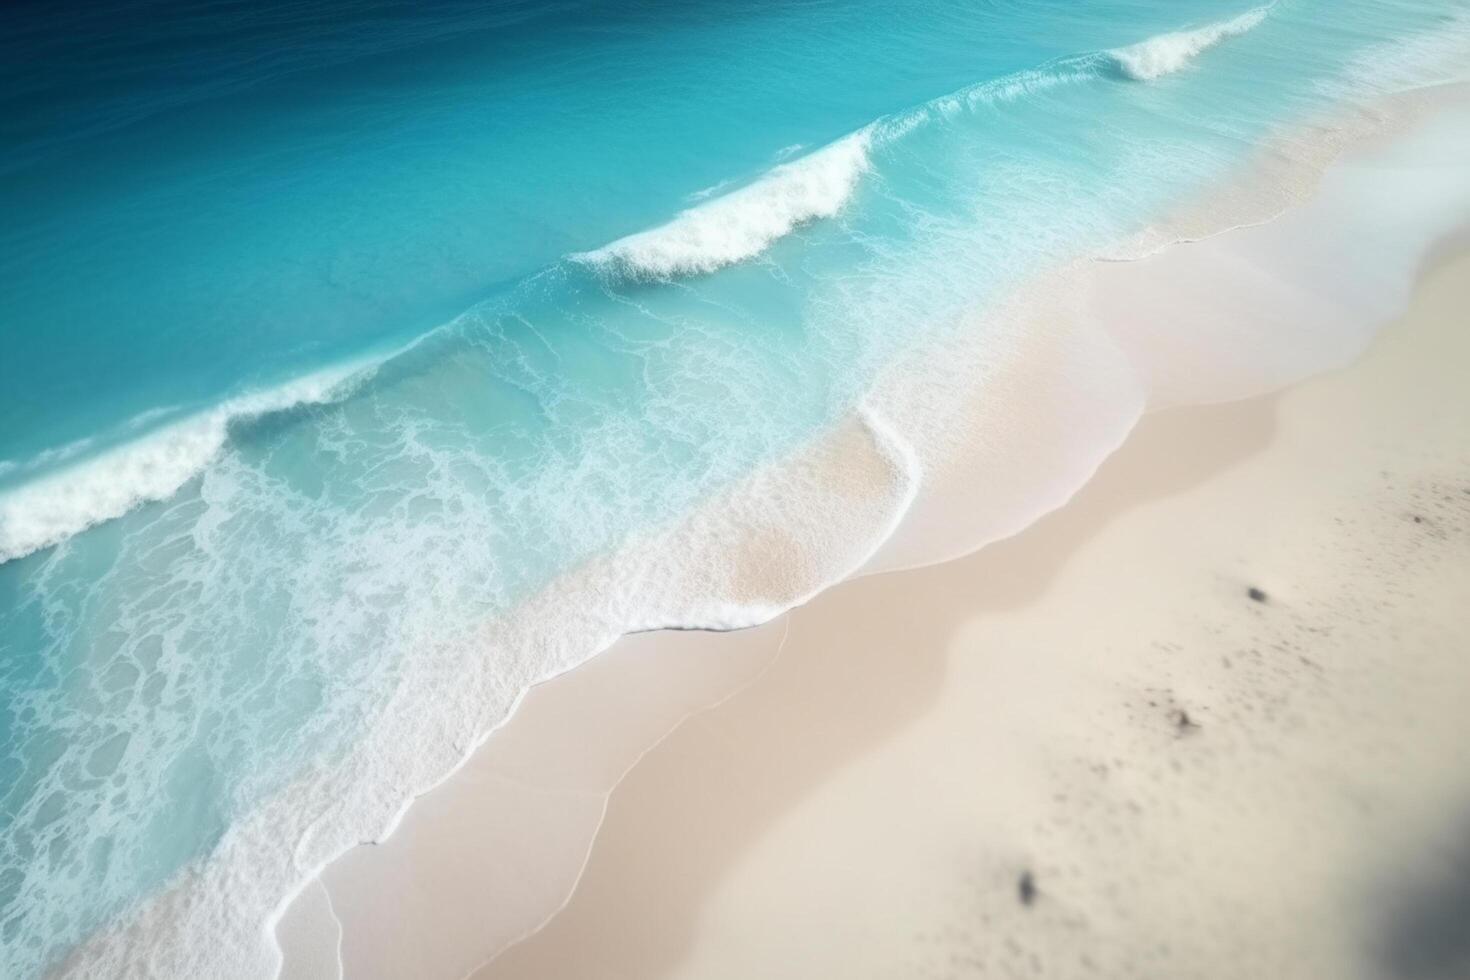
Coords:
pixel 745 222
pixel 717 232
pixel 1164 54
pixel 733 227
pixel 48 510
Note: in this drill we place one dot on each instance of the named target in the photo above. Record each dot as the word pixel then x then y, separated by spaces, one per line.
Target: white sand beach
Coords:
pixel 1194 782
pixel 725 491
pixel 1090 748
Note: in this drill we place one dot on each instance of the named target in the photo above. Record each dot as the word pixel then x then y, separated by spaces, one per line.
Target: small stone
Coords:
pixel 1026 888
pixel 1256 594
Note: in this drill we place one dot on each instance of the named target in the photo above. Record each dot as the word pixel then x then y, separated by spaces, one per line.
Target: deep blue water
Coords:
pixel 324 318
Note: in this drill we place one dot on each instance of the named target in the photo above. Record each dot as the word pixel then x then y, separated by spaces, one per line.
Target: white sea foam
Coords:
pixel 1165 54
pixel 47 510
pixel 974 450
pixel 443 704
pixel 723 230
pixel 743 223
pixel 825 518
pixel 795 525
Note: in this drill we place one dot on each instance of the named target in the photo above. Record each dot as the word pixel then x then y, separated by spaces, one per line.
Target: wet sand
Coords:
pixel 1203 721
pixel 1112 744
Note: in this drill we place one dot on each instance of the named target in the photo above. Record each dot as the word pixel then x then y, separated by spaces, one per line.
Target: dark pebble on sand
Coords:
pixel 1026 888
pixel 1256 594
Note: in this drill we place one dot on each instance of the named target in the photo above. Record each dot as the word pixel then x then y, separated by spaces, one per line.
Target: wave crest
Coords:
pixel 743 223
pixel 1165 54
pixel 48 510
pixel 739 225
pixel 722 229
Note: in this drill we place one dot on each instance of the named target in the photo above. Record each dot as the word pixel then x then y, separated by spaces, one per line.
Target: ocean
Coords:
pixel 339 334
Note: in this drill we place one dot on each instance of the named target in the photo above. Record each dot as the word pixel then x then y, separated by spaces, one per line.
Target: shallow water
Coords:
pixel 335 333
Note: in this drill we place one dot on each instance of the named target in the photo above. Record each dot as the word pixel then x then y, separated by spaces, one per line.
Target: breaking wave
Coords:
pixel 48 510
pixel 723 229
pixel 1165 54
pixel 717 232
pixel 743 223
pixel 739 225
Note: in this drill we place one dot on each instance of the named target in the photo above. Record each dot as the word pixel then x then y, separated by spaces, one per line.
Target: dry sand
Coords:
pixel 482 860
pixel 1087 750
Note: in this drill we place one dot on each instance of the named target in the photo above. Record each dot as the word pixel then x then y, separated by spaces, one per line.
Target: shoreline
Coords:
pixel 400 838
pixel 823 516
pixel 340 630
pixel 1193 781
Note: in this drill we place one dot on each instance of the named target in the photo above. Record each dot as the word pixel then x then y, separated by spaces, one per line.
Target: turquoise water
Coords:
pixel 333 331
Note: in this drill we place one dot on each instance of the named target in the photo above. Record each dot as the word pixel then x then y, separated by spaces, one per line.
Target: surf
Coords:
pixel 379 564
pixel 1165 54
pixel 722 230
pixel 47 510
pixel 741 224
